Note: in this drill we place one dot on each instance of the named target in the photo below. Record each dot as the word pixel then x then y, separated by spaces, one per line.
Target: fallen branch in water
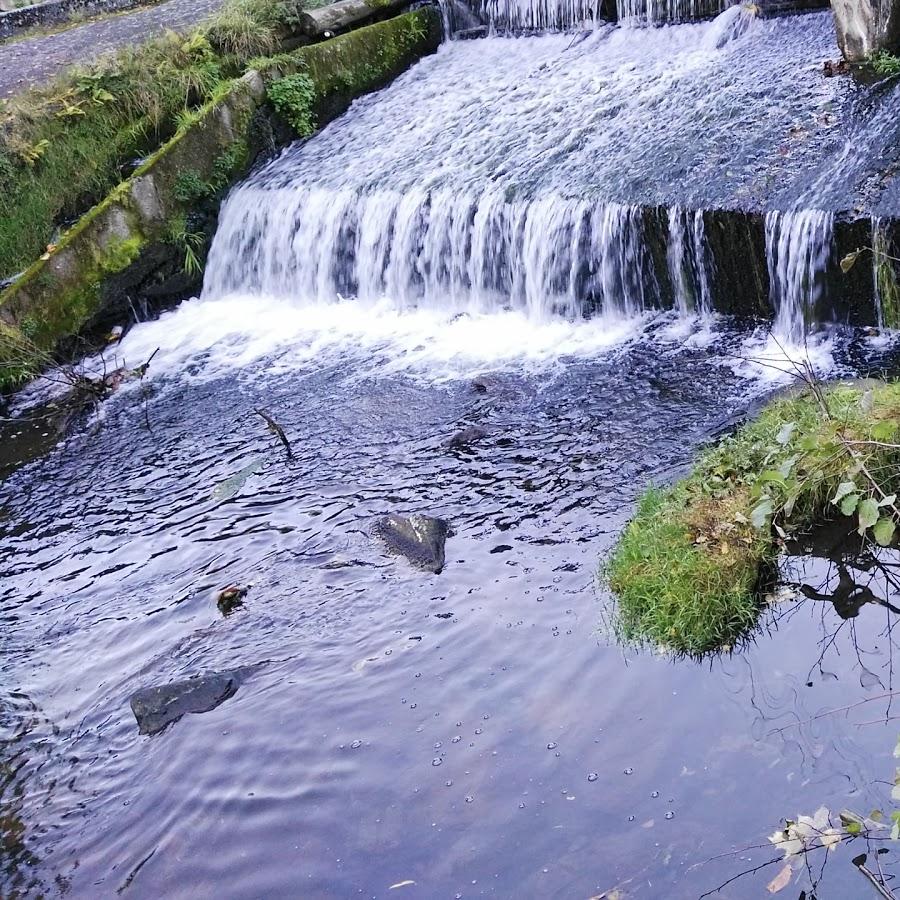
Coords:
pixel 277 430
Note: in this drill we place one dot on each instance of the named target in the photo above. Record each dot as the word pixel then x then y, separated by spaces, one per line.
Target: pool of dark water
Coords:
pixel 473 733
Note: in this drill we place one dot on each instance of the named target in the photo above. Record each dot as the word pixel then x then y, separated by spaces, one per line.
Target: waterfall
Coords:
pixel 548 256
pixel 656 12
pixel 567 15
pixel 884 276
pixel 539 15
pixel 799 245
pixel 689 262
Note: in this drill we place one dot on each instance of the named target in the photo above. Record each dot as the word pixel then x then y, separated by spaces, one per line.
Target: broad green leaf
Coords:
pixel 888 501
pixel 771 476
pixel 786 432
pixel 883 531
pixel 761 513
pixel 787 465
pixel 868 514
pixel 844 488
pixel 849 504
pixel 883 431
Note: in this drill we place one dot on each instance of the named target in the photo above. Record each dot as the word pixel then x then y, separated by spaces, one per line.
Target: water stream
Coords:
pixel 468 247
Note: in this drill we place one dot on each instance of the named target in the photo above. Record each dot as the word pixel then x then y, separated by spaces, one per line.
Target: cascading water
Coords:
pixel 538 15
pixel 555 177
pixel 548 256
pixel 656 12
pixel 690 264
pixel 799 245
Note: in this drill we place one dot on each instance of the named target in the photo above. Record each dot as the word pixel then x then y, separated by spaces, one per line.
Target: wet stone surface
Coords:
pixel 155 708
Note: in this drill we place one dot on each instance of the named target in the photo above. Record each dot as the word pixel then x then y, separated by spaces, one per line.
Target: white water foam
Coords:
pixel 207 339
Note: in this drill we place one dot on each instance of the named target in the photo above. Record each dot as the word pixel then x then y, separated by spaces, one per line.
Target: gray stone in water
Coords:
pixel 419 538
pixel 465 437
pixel 155 708
pixel 866 26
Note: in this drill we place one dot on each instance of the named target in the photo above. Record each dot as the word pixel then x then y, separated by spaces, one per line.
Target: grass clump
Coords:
pixel 63 145
pixel 689 566
pixel 885 63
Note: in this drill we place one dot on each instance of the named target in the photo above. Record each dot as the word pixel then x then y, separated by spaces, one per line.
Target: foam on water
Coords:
pixel 208 339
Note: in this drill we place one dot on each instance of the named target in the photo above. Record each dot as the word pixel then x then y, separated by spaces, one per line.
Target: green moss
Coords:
pixel 688 566
pixel 367 59
pixel 885 280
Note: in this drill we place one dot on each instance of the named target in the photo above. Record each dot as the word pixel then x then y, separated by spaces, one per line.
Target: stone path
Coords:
pixel 29 61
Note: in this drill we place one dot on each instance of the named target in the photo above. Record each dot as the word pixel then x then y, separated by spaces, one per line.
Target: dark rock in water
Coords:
pixel 471 34
pixel 420 539
pixel 866 28
pixel 156 708
pixel 465 437
pixel 841 67
pixel 230 598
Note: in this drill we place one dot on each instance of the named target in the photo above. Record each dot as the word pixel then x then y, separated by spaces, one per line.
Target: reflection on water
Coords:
pixel 471 732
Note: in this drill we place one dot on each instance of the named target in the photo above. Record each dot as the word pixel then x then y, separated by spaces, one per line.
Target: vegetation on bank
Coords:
pixel 65 145
pixel 161 218
pixel 690 565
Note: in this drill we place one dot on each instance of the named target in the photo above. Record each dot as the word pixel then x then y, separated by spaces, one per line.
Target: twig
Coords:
pixel 276 429
pixel 831 712
pixel 879 886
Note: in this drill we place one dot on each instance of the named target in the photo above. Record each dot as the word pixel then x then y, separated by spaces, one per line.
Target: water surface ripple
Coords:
pixel 473 732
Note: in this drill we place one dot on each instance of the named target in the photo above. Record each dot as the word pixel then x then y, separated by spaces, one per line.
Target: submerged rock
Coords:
pixel 155 708
pixel 419 538
pixel 465 437
pixel 230 598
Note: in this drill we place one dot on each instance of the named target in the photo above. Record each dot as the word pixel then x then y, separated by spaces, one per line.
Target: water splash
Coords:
pixel 690 262
pixel 799 246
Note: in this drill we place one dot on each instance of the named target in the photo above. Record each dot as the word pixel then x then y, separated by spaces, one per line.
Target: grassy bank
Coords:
pixel 151 231
pixel 688 568
pixel 63 146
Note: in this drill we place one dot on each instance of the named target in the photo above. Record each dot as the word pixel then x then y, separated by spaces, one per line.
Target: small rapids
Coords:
pixel 563 177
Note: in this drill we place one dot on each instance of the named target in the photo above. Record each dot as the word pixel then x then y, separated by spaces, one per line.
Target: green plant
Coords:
pixel 885 63
pixel 189 187
pixel 688 567
pixel 293 97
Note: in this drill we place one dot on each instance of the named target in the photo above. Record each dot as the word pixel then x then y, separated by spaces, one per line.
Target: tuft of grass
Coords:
pixel 689 566
pixel 62 144
pixel 885 63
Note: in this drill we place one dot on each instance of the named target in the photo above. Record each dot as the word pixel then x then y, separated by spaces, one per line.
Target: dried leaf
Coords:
pixel 780 881
pixel 849 261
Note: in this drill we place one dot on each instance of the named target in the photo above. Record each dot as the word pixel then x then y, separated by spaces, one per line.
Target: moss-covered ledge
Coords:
pixel 689 567
pixel 70 285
